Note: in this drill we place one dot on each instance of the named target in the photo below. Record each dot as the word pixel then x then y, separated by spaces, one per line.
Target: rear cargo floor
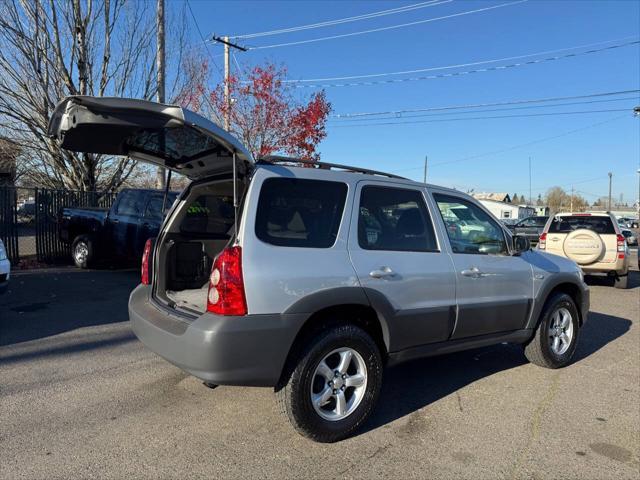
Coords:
pixel 194 299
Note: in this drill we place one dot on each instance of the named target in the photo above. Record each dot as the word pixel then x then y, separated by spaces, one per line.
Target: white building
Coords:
pixel 504 210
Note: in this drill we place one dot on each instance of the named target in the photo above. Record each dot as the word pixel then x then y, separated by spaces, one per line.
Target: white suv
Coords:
pixel 592 240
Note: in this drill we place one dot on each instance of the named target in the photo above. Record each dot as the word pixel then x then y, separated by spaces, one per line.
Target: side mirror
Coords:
pixel 520 244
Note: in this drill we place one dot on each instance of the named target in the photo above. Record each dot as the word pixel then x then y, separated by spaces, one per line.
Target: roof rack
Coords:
pixel 277 159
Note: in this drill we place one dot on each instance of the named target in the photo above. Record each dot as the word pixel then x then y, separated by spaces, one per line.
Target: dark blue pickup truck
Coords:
pixel 118 232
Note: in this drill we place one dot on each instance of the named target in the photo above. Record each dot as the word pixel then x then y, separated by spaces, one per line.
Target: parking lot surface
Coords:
pixel 80 397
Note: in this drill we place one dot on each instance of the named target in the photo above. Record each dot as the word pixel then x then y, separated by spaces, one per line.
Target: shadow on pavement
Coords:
pixel 68 349
pixel 41 304
pixel 414 385
pixel 633 282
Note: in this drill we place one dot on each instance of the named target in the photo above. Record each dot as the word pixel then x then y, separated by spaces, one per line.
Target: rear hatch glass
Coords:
pixel 166 135
pixel 569 223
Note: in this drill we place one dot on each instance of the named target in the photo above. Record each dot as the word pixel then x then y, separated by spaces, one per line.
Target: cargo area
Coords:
pixel 199 229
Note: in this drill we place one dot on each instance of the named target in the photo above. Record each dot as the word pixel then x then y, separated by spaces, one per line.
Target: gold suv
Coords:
pixel 592 240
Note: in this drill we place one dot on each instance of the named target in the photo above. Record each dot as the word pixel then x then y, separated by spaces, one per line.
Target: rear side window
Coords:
pixel 300 213
pixel 394 219
pixel 569 223
pixel 129 203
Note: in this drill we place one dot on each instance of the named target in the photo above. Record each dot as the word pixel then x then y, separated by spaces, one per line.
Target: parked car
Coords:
pixel 5 268
pixel 628 222
pixel 630 236
pixel 117 232
pixel 593 240
pixel 320 276
pixel 26 212
pixel 530 227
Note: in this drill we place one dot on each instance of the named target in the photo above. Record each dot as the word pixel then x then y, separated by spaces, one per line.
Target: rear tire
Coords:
pixel 82 251
pixel 621 282
pixel 334 416
pixel 557 334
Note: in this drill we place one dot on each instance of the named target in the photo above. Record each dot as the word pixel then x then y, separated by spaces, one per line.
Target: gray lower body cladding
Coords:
pixel 249 350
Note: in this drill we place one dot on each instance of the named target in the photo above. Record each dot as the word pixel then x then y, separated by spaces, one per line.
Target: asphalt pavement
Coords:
pixel 80 397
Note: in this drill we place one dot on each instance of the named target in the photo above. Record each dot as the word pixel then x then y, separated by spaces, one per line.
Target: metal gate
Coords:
pixel 48 204
pixel 9 222
pixel 29 221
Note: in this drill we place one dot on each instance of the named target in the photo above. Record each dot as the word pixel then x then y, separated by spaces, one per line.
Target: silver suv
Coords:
pixel 312 280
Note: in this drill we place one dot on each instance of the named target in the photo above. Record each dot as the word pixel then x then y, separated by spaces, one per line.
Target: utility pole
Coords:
pixel 571 208
pixel 227 95
pixel 160 70
pixel 639 194
pixel 610 175
pixel 227 65
pixel 530 202
pixel 426 158
pixel 636 113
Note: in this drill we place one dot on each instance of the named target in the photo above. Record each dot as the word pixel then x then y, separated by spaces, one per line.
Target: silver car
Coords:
pixel 5 269
pixel 312 278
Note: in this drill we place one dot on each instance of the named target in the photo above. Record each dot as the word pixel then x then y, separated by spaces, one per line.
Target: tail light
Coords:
pixel 145 277
pixel 226 285
pixel 542 243
pixel 621 241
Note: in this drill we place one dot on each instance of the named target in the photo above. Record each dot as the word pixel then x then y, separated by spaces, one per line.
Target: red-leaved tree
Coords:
pixel 265 114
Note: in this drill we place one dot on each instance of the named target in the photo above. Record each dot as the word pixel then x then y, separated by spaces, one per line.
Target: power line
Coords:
pixel 206 44
pixel 235 60
pixel 328 23
pixel 480 118
pixel 466 72
pixel 515 147
pixel 480 105
pixel 461 65
pixel 345 121
pixel 381 29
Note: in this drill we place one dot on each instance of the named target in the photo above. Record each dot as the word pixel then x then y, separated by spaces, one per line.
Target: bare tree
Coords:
pixel 558 200
pixel 50 49
pixel 9 153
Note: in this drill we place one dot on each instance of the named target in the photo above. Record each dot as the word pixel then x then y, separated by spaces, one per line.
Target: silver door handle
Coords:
pixel 473 272
pixel 383 272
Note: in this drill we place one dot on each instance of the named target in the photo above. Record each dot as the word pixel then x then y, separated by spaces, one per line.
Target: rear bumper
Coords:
pixel 620 267
pixel 249 350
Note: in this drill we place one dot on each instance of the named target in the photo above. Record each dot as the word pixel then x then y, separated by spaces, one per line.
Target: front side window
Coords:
pixel 295 212
pixel 394 219
pixel 154 206
pixel 469 227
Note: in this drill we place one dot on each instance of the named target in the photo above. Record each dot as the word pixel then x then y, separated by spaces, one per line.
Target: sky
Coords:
pixel 483 154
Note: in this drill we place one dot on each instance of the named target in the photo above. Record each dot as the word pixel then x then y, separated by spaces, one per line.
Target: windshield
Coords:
pixel 567 224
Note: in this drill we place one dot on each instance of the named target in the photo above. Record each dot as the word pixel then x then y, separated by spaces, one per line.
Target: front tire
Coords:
pixel 82 251
pixel 556 337
pixel 333 384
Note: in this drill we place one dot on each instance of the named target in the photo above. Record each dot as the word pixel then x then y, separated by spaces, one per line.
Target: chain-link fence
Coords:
pixel 29 221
